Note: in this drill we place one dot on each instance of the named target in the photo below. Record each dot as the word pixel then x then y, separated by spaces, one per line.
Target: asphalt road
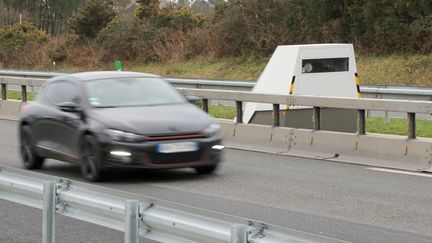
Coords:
pixel 343 201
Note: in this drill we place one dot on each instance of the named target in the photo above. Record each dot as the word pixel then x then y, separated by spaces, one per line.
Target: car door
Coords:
pixel 61 128
pixel 42 119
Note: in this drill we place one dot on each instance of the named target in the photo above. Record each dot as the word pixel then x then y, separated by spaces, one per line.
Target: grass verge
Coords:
pixel 224 112
pixel 396 126
pixel 16 95
pixel 408 70
pixel 227 68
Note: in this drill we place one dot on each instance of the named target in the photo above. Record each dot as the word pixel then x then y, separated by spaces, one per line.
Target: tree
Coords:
pixel 92 18
pixel 52 16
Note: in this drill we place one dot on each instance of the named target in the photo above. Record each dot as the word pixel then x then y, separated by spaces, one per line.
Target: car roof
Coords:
pixel 110 74
pixel 84 76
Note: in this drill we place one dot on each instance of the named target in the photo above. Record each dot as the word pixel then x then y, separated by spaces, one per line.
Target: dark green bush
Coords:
pixel 379 26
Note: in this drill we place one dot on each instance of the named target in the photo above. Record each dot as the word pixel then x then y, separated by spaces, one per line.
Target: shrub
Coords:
pixel 18 35
pixel 167 36
pixel 200 42
pixel 170 46
pixel 125 39
pixel 86 55
pixel 58 54
pixel 147 8
pixel 420 34
pixel 20 45
pixel 178 18
pixel 231 27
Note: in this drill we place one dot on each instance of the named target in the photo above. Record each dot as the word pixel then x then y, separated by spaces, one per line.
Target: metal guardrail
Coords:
pixel 135 215
pixel 317 102
pixel 24 79
pixel 415 93
pixel 29 74
pixel 395 90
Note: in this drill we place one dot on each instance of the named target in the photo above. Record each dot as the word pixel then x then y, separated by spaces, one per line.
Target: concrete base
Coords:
pixel 10 109
pixel 372 149
pixel 332 119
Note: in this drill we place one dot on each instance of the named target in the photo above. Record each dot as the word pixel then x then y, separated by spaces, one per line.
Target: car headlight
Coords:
pixel 121 136
pixel 212 130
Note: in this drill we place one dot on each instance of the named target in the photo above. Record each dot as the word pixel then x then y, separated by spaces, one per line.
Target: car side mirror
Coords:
pixel 193 99
pixel 69 107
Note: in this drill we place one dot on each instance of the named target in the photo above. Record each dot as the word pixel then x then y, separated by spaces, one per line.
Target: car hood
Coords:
pixel 154 120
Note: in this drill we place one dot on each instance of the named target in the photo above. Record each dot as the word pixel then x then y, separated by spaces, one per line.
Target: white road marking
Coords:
pixel 400 172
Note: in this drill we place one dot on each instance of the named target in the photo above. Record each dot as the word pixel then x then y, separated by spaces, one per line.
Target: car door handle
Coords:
pixel 48 117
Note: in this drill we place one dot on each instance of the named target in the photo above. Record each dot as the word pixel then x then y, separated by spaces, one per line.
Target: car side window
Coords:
pixel 60 92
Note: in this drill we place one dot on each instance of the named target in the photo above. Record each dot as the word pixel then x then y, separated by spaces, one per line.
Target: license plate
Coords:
pixel 177 147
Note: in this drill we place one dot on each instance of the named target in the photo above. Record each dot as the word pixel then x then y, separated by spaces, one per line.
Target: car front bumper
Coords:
pixel 145 155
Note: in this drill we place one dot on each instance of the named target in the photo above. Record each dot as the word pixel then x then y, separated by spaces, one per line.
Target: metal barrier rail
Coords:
pixel 380 91
pixel 25 79
pixel 135 215
pixel 410 107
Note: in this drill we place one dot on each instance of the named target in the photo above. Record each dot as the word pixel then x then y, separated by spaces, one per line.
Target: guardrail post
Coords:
pixel 205 106
pixel 411 125
pixel 239 108
pixel 49 207
pixel 361 122
pixel 239 234
pixel 4 91
pixel 23 93
pixel 276 115
pixel 132 221
pixel 386 117
pixel 316 118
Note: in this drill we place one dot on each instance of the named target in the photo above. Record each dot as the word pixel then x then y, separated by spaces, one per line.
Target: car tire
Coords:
pixel 91 159
pixel 29 156
pixel 204 170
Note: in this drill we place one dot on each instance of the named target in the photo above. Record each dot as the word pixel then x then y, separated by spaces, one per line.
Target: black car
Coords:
pixel 117 119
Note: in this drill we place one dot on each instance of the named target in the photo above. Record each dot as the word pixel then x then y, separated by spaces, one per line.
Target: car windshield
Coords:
pixel 137 91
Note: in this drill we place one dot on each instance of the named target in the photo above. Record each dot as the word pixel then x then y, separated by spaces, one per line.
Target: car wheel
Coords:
pixel 91 159
pixel 30 158
pixel 208 169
